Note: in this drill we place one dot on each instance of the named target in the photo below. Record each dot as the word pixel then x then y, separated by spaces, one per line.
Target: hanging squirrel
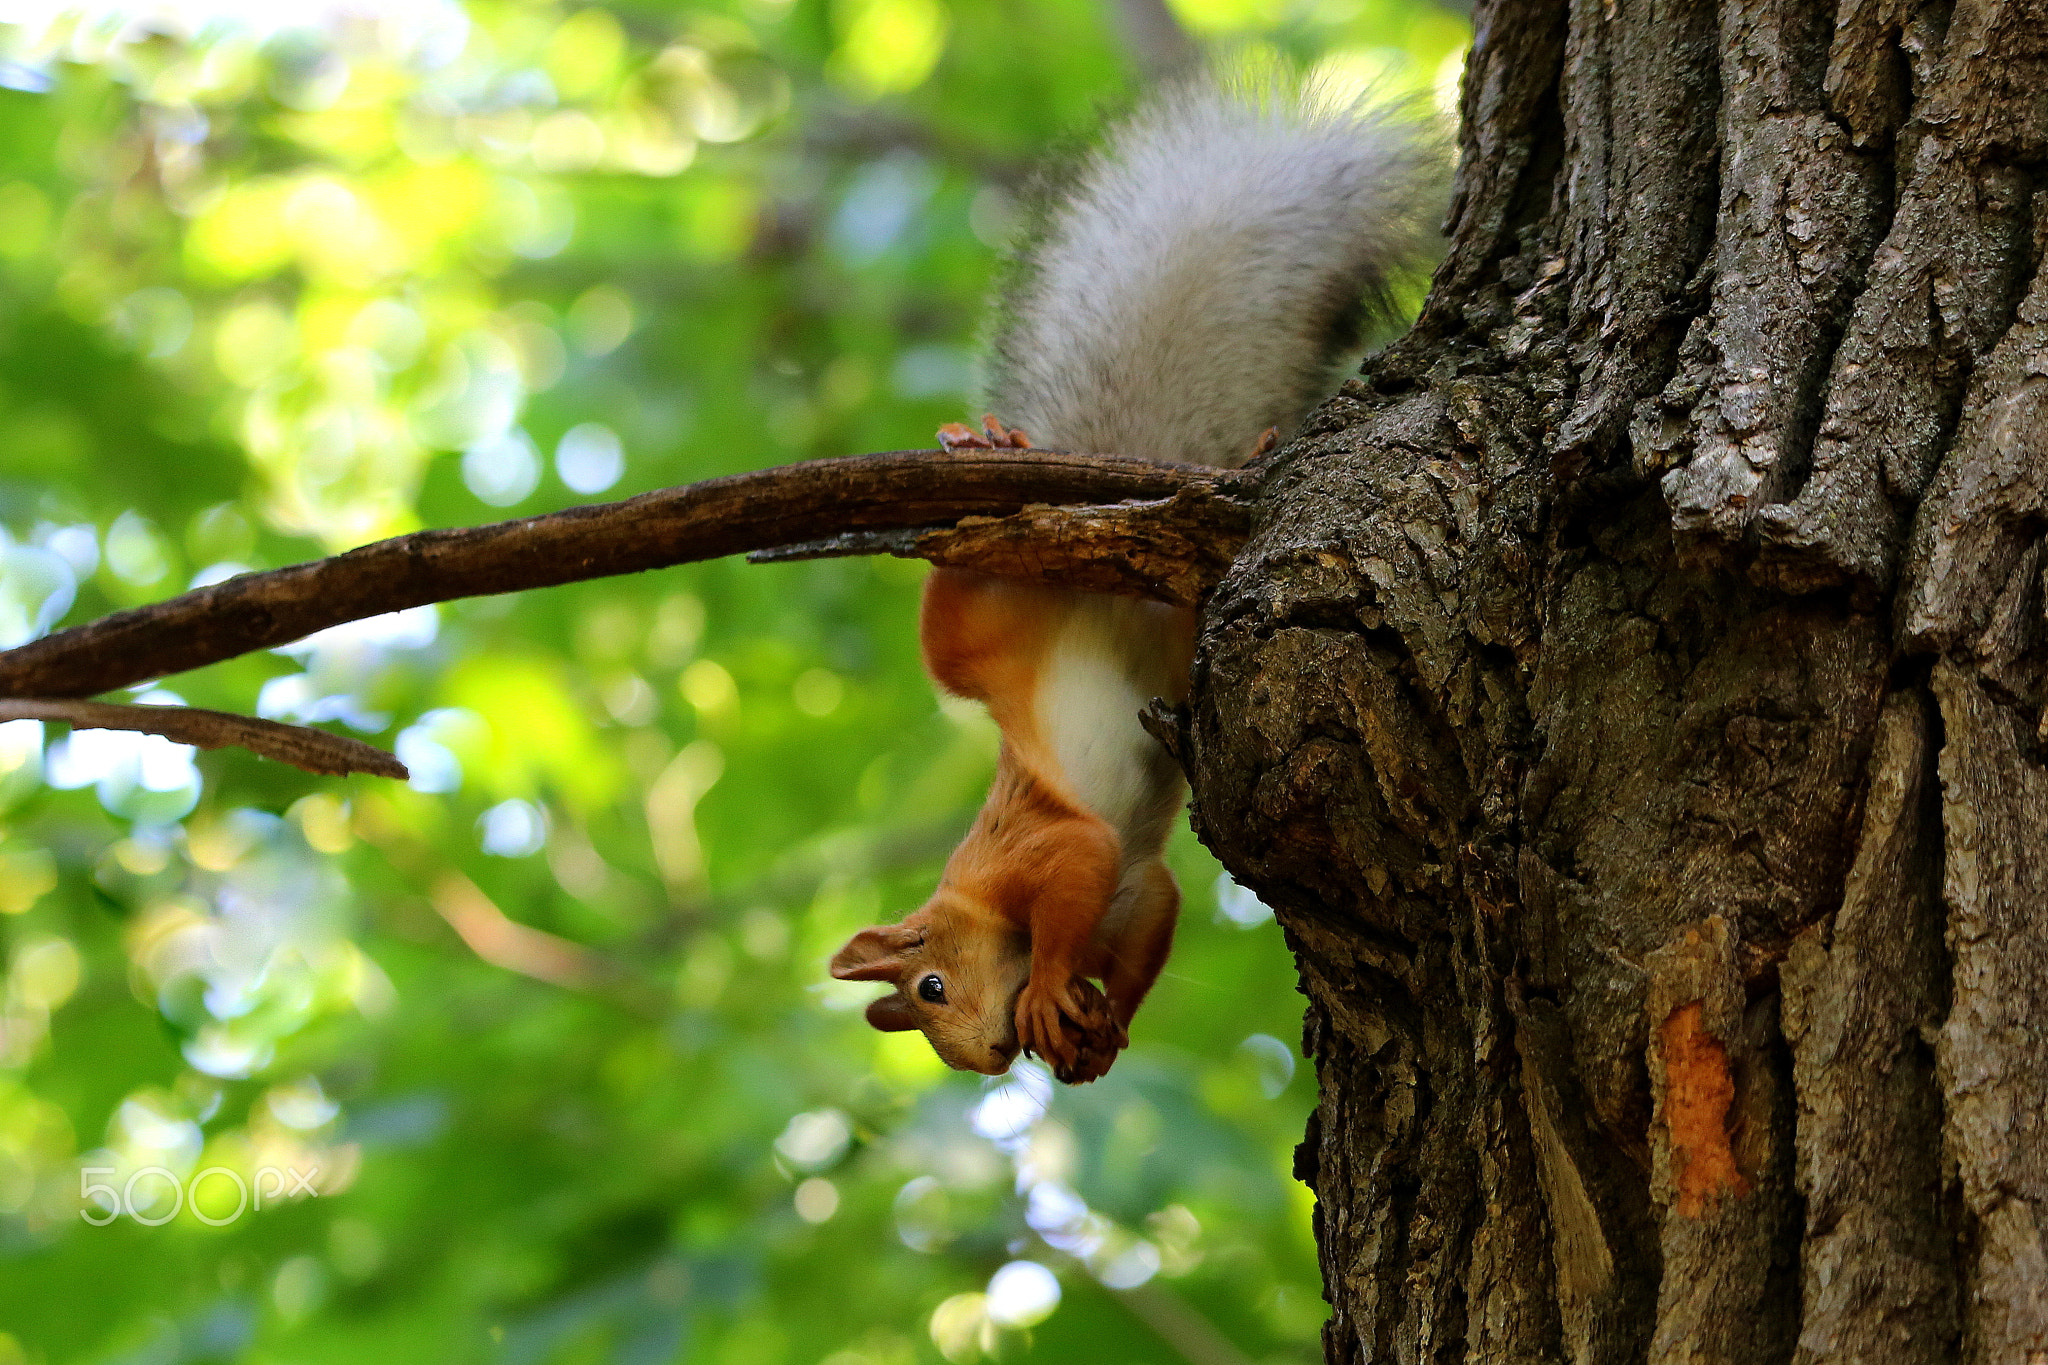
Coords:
pixel 1201 281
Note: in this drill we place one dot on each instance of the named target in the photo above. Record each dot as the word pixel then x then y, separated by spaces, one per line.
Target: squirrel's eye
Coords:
pixel 932 989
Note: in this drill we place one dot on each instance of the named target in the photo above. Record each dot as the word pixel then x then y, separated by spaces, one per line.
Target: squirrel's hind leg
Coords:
pixel 1142 947
pixel 992 436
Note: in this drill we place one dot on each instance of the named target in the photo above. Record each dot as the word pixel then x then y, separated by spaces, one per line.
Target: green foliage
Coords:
pixel 551 1023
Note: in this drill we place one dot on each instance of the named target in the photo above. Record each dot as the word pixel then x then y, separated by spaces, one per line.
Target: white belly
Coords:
pixel 1111 658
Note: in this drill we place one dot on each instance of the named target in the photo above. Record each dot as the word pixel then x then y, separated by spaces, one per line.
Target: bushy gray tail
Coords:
pixel 1209 271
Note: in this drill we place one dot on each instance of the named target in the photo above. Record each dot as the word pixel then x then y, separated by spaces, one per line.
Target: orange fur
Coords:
pixel 1043 893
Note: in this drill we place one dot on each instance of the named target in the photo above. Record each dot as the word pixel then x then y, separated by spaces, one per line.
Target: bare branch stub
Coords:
pixel 1168 549
pixel 1172 550
pixel 1171 538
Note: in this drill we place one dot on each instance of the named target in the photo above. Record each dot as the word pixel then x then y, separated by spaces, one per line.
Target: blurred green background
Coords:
pixel 535 1059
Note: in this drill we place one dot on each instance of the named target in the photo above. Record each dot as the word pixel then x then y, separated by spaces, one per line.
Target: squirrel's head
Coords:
pixel 957 969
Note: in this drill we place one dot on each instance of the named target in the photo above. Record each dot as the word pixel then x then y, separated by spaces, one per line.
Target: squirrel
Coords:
pixel 1200 283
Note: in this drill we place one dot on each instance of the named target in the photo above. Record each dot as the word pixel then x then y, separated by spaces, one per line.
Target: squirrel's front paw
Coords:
pixel 1070 1026
pixel 1093 1054
pixel 1041 1025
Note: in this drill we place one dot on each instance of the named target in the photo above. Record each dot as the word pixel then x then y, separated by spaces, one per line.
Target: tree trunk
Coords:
pixel 1632 702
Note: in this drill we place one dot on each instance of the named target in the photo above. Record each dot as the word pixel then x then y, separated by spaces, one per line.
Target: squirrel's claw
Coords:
pixel 960 436
pixel 1000 435
pixel 992 436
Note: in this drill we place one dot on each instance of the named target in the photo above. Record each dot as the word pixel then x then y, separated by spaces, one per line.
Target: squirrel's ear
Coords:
pixel 891 1014
pixel 875 954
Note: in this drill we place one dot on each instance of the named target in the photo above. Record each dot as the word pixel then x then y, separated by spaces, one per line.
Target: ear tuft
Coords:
pixel 875 954
pixel 891 1014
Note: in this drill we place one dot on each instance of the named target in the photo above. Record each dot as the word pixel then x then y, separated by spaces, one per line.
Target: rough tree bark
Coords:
pixel 1631 699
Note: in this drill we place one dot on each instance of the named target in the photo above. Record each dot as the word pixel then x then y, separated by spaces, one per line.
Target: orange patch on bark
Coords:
pixel 1697 1093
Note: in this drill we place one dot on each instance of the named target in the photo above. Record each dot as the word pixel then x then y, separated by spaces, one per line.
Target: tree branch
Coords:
pixel 316 751
pixel 1186 522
